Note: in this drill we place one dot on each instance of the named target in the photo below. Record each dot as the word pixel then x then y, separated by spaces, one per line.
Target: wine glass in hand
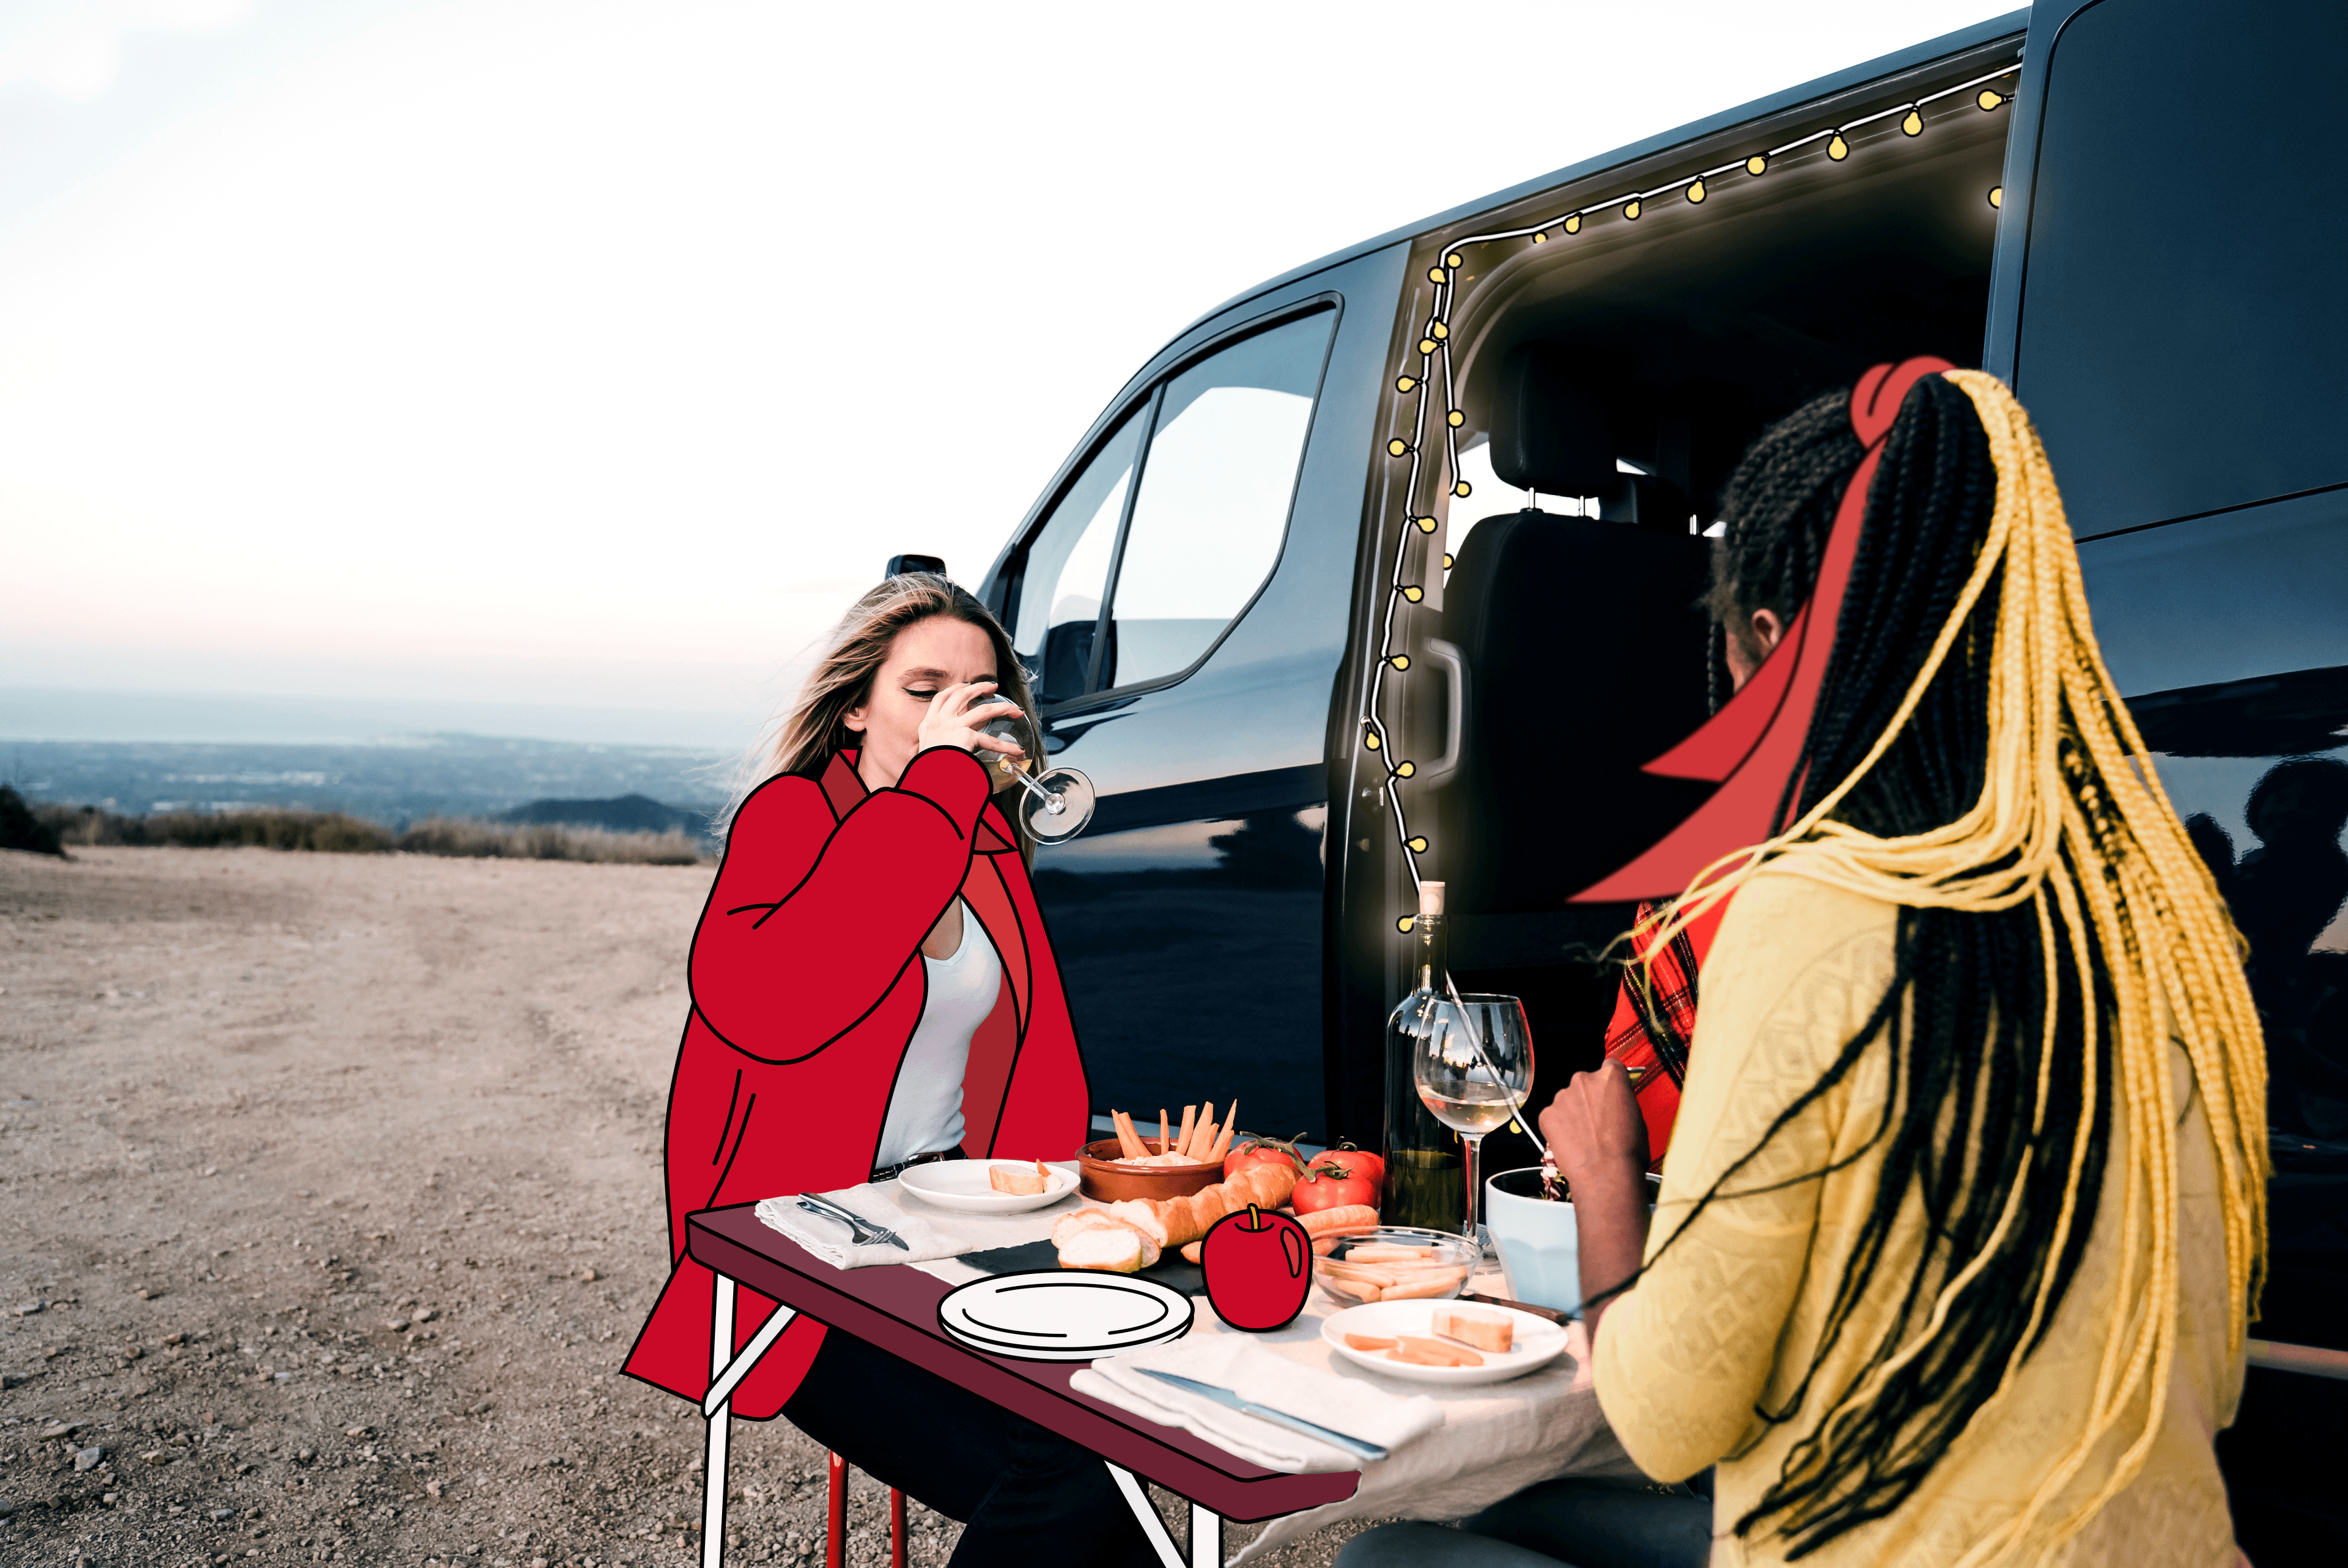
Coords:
pixel 1056 806
pixel 1473 1069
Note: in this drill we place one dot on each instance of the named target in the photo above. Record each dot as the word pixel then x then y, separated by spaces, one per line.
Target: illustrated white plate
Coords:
pixel 1063 1314
pixel 961 1185
pixel 1536 1343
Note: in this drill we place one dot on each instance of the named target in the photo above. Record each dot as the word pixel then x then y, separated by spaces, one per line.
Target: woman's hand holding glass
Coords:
pixel 958 716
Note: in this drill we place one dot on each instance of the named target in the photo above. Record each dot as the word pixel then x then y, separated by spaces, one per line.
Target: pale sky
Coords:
pixel 594 355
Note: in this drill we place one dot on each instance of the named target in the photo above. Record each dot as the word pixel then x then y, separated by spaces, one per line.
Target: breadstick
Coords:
pixel 1443 1286
pixel 1189 1122
pixel 1173 1220
pixel 1389 1252
pixel 1165 1142
pixel 1360 1289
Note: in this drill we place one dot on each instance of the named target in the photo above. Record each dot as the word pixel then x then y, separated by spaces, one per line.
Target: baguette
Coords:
pixel 1084 1240
pixel 1174 1221
pixel 1473 1326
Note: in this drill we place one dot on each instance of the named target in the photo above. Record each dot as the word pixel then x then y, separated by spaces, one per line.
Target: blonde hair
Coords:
pixel 2072 823
pixel 804 736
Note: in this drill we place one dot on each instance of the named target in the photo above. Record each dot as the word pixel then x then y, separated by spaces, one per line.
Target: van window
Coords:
pixel 1066 572
pixel 1215 492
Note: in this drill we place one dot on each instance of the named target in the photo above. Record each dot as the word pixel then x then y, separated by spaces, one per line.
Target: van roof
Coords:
pixel 1854 76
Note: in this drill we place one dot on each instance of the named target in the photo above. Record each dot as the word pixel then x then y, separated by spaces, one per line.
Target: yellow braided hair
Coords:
pixel 2072 821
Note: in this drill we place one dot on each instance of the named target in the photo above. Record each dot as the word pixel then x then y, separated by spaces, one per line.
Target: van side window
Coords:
pixel 1215 492
pixel 1065 574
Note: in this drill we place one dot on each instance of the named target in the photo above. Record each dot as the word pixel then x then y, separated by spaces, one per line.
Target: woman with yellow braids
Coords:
pixel 1964 1217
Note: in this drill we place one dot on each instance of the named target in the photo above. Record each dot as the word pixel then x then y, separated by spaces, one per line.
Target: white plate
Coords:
pixel 1063 1314
pixel 961 1185
pixel 1535 1344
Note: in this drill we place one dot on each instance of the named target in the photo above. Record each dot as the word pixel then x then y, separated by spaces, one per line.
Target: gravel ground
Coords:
pixel 332 1202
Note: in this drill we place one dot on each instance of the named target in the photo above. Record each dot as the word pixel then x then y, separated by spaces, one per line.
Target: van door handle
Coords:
pixel 1454 665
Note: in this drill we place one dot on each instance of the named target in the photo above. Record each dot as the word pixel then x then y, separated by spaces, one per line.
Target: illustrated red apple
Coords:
pixel 1259 1268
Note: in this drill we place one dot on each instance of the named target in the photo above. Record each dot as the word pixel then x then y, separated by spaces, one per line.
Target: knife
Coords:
pixel 1551 1313
pixel 1353 1446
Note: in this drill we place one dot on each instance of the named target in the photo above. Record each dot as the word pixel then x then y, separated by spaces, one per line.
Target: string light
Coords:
pixel 1434 351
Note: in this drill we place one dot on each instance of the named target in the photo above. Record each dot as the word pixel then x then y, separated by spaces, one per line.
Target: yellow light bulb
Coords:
pixel 1633 208
pixel 1426 524
pixel 1434 275
pixel 1440 331
pixel 1404 769
pixel 1405 383
pixel 1463 488
pixel 1997 196
pixel 1989 98
pixel 1696 192
pixel 1452 259
pixel 1397 446
pixel 1837 149
pixel 1418 845
pixel 1427 345
pixel 1447 561
pixel 1912 123
pixel 1573 223
pixel 1413 593
pixel 1404 924
pixel 1371 740
pixel 1757 164
pixel 1455 419
pixel 1400 660
pixel 1539 238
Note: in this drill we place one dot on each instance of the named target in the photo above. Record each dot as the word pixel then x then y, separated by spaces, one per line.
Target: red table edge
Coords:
pixel 1167 1456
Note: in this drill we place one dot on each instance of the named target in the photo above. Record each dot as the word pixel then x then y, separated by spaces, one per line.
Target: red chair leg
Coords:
pixel 835 1544
pixel 896 1528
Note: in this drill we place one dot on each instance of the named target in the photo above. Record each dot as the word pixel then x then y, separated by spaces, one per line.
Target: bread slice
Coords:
pixel 1474 1325
pixel 1100 1242
pixel 1017 1182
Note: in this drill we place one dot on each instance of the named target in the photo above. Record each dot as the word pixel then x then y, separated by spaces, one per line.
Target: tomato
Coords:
pixel 1255 1151
pixel 1325 1186
pixel 1346 1160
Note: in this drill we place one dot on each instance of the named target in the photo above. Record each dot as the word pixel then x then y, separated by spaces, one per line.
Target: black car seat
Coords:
pixel 1584 647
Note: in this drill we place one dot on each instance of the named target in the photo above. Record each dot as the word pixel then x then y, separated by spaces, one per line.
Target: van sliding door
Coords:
pixel 2169 304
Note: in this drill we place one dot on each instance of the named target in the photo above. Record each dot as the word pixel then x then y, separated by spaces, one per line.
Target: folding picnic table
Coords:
pixel 894 1308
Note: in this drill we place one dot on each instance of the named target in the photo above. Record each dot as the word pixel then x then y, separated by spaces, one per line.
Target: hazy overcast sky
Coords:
pixel 552 353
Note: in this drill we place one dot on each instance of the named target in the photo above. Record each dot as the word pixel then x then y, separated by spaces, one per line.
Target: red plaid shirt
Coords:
pixel 1655 1024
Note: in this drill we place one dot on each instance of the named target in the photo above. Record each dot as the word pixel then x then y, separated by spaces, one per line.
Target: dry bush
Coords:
pixel 328 831
pixel 547 841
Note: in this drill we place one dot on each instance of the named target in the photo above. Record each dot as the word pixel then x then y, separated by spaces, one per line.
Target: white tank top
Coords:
pixel 925 1107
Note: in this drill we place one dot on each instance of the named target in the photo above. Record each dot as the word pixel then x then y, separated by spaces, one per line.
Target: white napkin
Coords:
pixel 1353 1406
pixel 929 1232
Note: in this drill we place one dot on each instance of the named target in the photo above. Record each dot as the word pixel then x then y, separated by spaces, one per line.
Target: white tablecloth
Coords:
pixel 1496 1440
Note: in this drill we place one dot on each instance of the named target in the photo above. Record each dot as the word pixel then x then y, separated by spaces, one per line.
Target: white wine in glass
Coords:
pixel 1056 806
pixel 1473 1071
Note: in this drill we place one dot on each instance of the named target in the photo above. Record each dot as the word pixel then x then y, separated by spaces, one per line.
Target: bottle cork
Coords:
pixel 1430 897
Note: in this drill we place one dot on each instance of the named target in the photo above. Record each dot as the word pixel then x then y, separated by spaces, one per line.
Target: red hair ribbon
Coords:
pixel 1751 745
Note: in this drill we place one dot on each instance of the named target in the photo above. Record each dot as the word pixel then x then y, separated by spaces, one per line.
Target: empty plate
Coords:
pixel 962 1186
pixel 1063 1314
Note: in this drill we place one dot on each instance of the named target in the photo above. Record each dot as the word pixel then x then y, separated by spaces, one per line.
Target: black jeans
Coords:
pixel 1580 1524
pixel 1025 1496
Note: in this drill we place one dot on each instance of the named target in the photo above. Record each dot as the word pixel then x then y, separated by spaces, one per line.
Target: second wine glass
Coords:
pixel 1474 1069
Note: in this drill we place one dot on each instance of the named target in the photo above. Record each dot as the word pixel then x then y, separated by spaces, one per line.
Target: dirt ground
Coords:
pixel 332 1202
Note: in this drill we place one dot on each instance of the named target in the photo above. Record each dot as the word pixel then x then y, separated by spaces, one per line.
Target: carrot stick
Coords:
pixel 1190 1123
pixel 1165 1140
pixel 1223 1144
pixel 1204 1138
pixel 1133 1138
pixel 1126 1144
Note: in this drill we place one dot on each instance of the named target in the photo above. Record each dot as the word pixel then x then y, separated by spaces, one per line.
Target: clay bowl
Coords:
pixel 1106 1181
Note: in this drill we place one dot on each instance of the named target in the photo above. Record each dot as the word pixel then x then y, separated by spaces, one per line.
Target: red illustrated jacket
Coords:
pixel 807 985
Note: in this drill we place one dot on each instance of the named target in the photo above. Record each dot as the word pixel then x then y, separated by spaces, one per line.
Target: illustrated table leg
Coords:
pixel 713 1472
pixel 1147 1512
pixel 1206 1538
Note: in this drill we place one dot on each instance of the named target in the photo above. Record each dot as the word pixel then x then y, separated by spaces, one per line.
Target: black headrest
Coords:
pixel 1546 435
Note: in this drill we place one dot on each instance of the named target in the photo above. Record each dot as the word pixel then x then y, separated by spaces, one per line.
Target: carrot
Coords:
pixel 1223 1143
pixel 1204 1138
pixel 1165 1142
pixel 1369 1342
pixel 1406 1351
pixel 1321 1247
pixel 1459 1354
pixel 1189 1124
pixel 1348 1217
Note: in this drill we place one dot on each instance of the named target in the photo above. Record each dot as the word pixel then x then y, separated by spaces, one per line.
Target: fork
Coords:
pixel 862 1231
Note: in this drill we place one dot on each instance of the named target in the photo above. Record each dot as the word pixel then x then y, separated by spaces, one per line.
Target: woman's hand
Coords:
pixel 1595 1128
pixel 955 715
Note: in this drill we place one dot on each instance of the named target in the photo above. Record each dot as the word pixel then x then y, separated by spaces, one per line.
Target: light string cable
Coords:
pixel 1432 351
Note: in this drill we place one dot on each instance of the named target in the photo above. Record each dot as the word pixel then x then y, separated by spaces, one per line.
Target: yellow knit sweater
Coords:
pixel 1731 1315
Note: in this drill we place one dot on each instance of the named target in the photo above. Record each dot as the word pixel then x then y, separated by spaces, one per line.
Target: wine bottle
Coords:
pixel 1424 1174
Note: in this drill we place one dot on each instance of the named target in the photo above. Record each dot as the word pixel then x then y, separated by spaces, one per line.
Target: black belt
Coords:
pixel 890 1173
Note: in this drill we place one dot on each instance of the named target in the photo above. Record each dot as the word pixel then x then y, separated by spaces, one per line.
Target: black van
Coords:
pixel 1385 568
